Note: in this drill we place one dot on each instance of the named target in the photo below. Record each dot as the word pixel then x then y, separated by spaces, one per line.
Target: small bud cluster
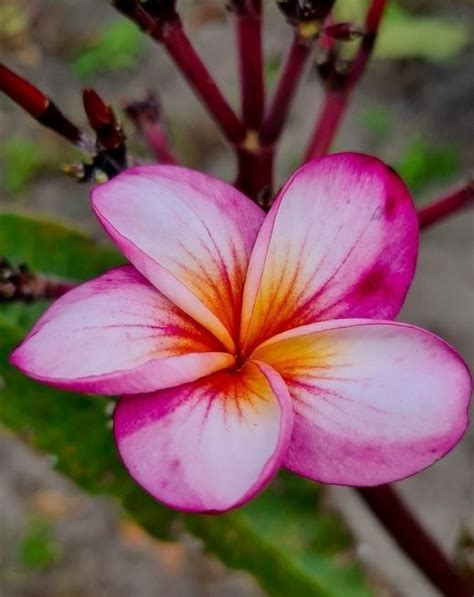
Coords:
pixel 20 283
pixel 298 11
pixel 16 282
pixel 164 10
pixel 146 109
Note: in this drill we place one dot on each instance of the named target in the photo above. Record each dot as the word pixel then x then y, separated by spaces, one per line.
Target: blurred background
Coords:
pixel 414 109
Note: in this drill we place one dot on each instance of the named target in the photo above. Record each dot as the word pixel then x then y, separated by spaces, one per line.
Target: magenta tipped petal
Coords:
pixel 210 445
pixel 374 401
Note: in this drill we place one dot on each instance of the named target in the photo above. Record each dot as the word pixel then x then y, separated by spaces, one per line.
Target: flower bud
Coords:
pixel 297 11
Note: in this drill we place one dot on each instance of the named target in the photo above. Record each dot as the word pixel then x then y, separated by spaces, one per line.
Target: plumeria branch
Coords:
pixel 146 116
pixel 107 155
pixel 403 527
pixel 162 23
pixel 290 76
pixel 340 81
pixel 454 202
pixel 306 20
pixel 42 109
pixel 20 283
pixel 248 24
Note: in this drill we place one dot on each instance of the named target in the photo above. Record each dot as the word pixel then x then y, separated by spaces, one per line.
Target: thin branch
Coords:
pixel 146 115
pixel 42 108
pixel 288 81
pixel 442 208
pixel 404 528
pixel 170 33
pixel 20 284
pixel 329 118
pixel 340 86
pixel 248 24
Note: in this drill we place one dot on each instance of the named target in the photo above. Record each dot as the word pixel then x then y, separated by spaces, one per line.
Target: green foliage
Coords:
pixel 422 165
pixel 119 46
pixel 377 121
pixel 404 35
pixel 407 35
pixel 285 537
pixel 21 161
pixel 38 551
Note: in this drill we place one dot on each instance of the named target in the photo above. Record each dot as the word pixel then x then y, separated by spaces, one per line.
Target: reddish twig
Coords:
pixel 446 206
pixel 404 528
pixel 42 108
pixel 291 73
pixel 110 138
pixel 329 118
pixel 167 29
pixel 248 21
pixel 340 86
pixel 255 173
pixel 146 115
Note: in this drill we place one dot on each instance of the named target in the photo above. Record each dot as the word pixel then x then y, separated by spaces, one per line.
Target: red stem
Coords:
pixel 290 76
pixel 404 528
pixel 446 206
pixel 249 44
pixel 372 23
pixel 329 119
pixel 158 142
pixel 41 108
pixel 255 174
pixel 336 100
pixel 146 116
pixel 170 33
pixel 193 69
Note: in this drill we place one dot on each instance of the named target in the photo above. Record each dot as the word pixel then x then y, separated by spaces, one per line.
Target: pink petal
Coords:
pixel 118 334
pixel 191 235
pixel 374 401
pixel 340 241
pixel 210 445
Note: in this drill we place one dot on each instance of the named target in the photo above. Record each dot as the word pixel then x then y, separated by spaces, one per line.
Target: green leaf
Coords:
pixel 38 551
pixel 407 35
pixel 421 164
pixel 119 46
pixel 286 537
pixel 377 120
pixel 404 35
pixel 22 160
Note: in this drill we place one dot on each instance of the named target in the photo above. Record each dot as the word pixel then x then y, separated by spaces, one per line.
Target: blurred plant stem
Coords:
pixel 340 81
pixel 248 25
pixel 438 210
pixel 384 502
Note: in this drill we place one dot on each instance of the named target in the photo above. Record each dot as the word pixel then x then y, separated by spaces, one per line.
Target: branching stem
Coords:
pixel 337 96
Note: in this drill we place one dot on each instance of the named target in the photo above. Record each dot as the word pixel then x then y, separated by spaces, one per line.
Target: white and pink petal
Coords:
pixel 117 334
pixel 374 401
pixel 210 445
pixel 190 234
pixel 340 240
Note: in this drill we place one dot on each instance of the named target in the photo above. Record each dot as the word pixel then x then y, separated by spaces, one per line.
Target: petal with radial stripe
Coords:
pixel 340 240
pixel 374 401
pixel 190 234
pixel 117 334
pixel 210 445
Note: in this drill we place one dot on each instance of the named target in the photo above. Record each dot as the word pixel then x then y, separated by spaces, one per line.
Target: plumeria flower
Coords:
pixel 242 343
